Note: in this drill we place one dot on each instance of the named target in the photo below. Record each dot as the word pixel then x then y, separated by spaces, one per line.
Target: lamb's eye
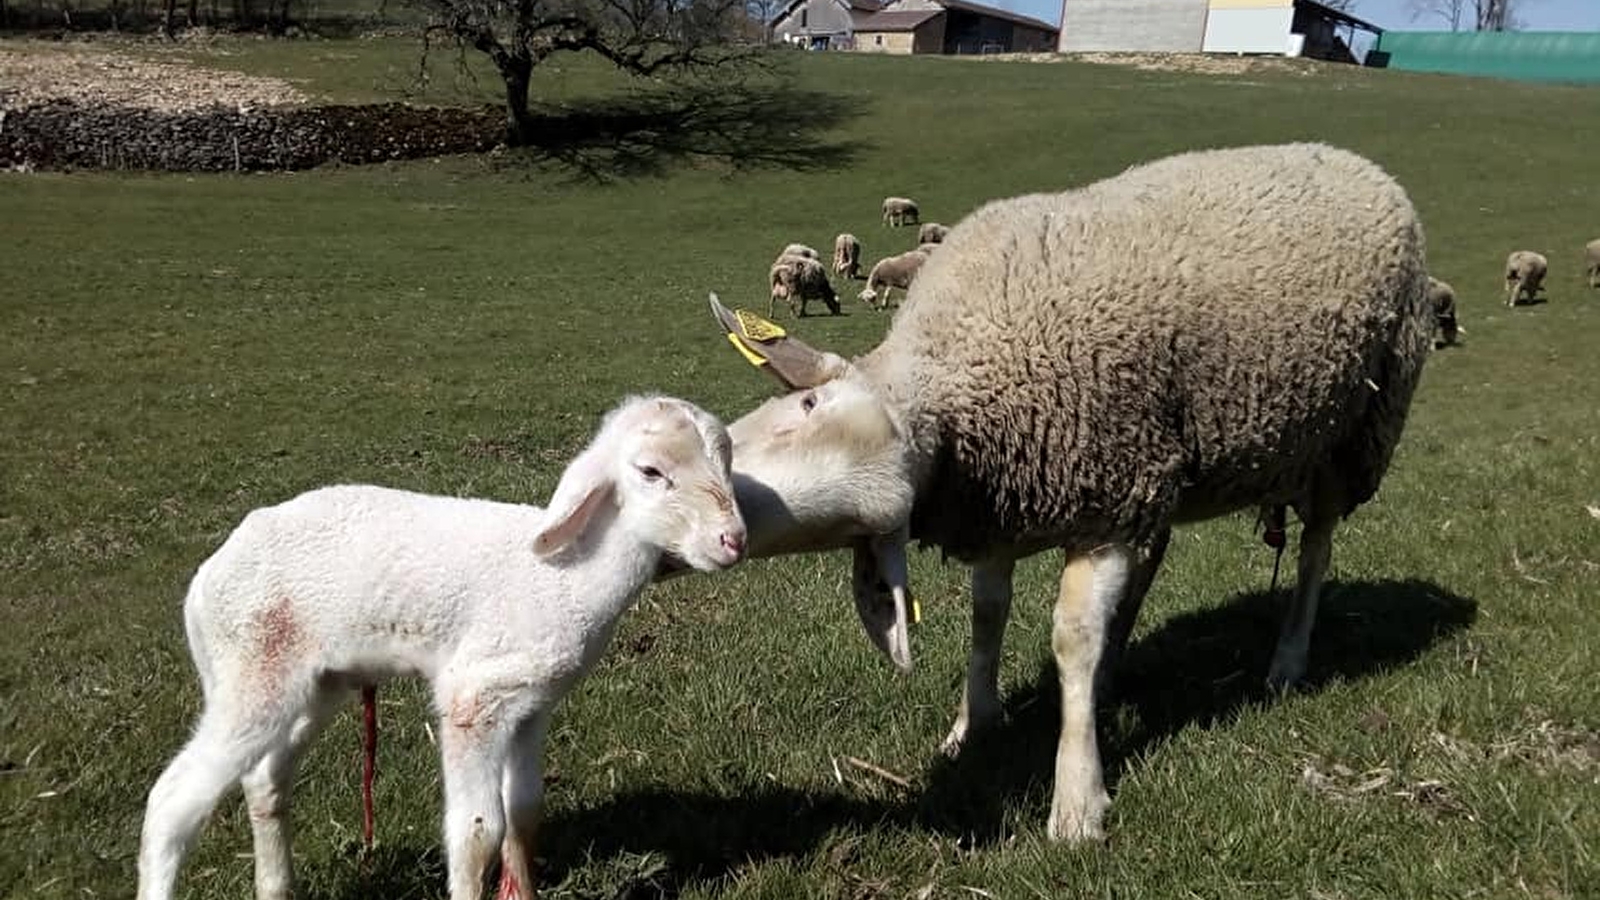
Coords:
pixel 650 473
pixel 808 402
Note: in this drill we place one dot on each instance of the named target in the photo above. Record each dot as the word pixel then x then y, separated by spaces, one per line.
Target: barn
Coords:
pixel 955 27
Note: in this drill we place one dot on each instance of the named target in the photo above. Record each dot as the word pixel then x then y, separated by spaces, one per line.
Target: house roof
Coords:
pixel 856 7
pixel 994 12
pixel 1337 15
pixel 897 20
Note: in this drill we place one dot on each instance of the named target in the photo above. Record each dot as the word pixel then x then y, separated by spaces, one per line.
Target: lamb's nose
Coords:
pixel 734 543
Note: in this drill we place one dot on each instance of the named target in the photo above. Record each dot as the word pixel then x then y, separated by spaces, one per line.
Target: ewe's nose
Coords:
pixel 733 542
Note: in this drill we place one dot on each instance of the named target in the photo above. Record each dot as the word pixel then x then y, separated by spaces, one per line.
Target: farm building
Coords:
pixel 952 27
pixel 821 24
pixel 1294 27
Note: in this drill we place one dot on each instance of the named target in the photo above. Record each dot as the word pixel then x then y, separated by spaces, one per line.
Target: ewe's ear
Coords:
pixel 584 486
pixel 883 595
pixel 768 347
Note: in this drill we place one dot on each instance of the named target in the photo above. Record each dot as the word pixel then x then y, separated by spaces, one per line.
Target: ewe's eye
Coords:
pixel 808 402
pixel 650 473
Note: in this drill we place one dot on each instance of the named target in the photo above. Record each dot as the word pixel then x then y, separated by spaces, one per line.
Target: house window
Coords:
pixel 803 15
pixel 878 39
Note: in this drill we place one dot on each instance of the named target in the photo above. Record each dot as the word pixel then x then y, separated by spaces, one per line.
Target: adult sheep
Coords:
pixel 1442 300
pixel 798 280
pixel 847 255
pixel 898 271
pixel 898 211
pixel 1525 271
pixel 1065 374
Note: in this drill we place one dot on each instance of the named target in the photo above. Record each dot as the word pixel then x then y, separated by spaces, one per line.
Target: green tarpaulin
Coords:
pixel 1521 55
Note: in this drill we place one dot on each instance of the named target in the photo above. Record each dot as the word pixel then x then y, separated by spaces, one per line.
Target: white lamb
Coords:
pixel 501 607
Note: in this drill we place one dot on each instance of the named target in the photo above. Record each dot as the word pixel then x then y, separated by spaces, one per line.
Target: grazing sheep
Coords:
pixel 931 233
pixel 799 279
pixel 501 607
pixel 1442 300
pixel 1065 373
pixel 847 256
pixel 1592 257
pixel 1525 272
pixel 892 272
pixel 899 211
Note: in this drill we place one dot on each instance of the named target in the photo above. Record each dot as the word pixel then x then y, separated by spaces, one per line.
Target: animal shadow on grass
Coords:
pixel 1199 668
pixel 739 126
pixel 639 845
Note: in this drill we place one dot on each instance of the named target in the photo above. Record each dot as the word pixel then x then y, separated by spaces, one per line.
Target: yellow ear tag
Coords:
pixel 756 328
pixel 916 611
pixel 749 355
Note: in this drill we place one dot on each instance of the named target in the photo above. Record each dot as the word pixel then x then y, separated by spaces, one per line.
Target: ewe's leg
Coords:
pixel 1294 640
pixel 1091 585
pixel 474 745
pixel 522 790
pixel 220 752
pixel 267 790
pixel 1147 562
pixel 991 608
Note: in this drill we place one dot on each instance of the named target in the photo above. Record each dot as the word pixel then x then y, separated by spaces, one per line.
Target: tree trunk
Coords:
pixel 517 70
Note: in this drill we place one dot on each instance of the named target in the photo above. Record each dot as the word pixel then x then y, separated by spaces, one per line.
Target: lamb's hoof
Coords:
pixel 951 746
pixel 1079 823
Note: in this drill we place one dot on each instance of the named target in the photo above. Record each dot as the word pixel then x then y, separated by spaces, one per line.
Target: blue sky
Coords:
pixel 1540 15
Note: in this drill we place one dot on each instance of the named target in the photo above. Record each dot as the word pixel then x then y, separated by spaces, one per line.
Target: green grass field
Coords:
pixel 175 351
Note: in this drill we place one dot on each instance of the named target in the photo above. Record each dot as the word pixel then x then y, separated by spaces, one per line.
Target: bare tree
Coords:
pixel 1496 15
pixel 641 37
pixel 1451 11
pixel 1340 5
pixel 764 11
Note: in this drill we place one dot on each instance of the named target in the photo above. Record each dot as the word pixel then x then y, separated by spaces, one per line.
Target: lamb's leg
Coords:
pixel 522 791
pixel 1147 562
pixel 267 790
pixel 1091 585
pixel 991 608
pixel 215 759
pixel 1294 640
pixel 473 744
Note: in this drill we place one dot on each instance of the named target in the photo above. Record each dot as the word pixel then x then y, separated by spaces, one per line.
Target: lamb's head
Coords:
pixel 663 465
pixel 823 467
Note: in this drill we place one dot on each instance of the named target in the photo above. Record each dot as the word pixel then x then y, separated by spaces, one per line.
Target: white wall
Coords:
pixel 1248 30
pixel 1173 26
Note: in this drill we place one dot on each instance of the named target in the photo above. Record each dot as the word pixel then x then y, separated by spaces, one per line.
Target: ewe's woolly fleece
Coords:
pixel 1193 336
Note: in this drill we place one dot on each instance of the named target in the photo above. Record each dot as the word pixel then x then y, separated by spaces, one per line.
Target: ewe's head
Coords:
pixel 663 465
pixel 826 466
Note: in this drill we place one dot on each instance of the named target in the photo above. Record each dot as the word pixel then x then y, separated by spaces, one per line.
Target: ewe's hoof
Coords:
pixel 1284 675
pixel 1079 823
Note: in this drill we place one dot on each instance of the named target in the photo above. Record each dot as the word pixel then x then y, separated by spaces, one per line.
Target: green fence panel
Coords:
pixel 1521 55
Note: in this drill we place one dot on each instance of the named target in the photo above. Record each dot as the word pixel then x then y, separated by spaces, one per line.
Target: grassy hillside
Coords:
pixel 175 351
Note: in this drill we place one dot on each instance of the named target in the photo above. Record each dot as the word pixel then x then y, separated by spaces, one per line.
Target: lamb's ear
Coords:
pixel 883 595
pixel 769 348
pixel 584 486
